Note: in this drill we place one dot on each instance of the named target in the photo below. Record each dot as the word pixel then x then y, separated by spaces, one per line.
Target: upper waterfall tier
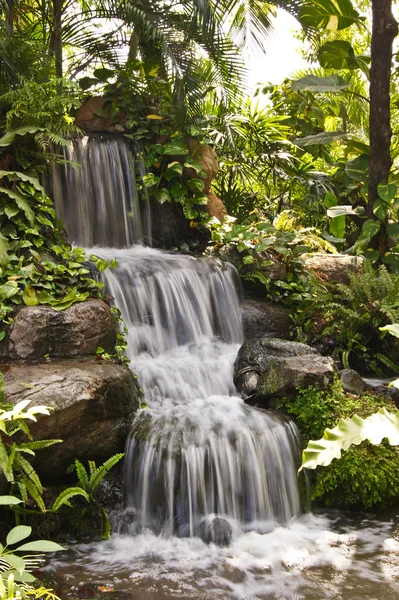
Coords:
pixel 98 201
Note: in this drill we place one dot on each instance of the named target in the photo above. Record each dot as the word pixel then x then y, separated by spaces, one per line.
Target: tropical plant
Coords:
pixel 15 569
pixel 15 467
pixel 348 432
pixel 351 314
pixel 89 481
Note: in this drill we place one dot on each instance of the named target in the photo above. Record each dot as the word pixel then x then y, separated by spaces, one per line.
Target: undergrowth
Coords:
pixel 367 476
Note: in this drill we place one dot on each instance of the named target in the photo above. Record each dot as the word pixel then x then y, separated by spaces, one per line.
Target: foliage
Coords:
pixel 351 315
pixel 261 246
pixel 366 476
pixel 350 432
pixel 16 570
pixel 89 481
pixel 17 469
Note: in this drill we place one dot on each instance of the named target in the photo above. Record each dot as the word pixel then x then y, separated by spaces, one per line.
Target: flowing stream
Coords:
pixel 212 500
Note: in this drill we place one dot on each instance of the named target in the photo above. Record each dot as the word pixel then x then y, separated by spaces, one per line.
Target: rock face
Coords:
pixel 38 331
pixel 215 207
pixel 282 376
pixel 92 405
pixel 87 119
pixel 334 267
pixel 264 319
pixel 268 368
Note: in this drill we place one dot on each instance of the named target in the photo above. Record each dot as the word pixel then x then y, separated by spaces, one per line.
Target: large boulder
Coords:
pixel 91 401
pixel 271 368
pixel 264 319
pixel 39 331
pixel 283 376
pixel 334 267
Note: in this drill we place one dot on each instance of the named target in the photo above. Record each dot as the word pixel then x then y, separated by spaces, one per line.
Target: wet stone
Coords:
pixel 216 530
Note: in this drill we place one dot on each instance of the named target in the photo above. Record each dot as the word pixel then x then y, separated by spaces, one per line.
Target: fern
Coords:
pixel 99 473
pixel 66 495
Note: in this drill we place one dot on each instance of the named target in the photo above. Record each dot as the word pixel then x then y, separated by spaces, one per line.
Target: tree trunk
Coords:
pixel 384 31
pixel 56 36
pixel 10 16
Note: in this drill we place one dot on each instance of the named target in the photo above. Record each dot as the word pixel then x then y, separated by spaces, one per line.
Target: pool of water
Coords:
pixel 317 556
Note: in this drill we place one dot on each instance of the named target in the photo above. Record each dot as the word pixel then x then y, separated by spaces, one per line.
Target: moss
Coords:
pixel 366 476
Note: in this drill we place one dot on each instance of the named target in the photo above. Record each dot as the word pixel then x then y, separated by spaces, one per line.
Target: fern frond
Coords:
pixel 99 474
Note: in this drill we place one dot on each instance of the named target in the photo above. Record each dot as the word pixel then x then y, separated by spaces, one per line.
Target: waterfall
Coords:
pixel 95 193
pixel 196 451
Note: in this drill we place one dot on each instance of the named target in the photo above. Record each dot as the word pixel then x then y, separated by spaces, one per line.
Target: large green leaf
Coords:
pixel 312 83
pixel 9 137
pixel 17 534
pixel 40 546
pixel 328 14
pixel 348 432
pixel 393 329
pixel 357 169
pixel 322 139
pixel 337 55
pixel 4 258
pixel 64 497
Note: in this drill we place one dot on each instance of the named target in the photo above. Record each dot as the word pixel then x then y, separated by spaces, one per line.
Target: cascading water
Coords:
pixel 199 461
pixel 95 193
pixel 197 450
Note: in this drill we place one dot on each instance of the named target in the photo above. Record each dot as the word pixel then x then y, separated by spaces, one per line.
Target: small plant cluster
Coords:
pixel 261 245
pixel 351 316
pixel 366 476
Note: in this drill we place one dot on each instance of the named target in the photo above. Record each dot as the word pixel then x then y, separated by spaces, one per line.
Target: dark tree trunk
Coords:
pixel 56 36
pixel 384 31
pixel 10 16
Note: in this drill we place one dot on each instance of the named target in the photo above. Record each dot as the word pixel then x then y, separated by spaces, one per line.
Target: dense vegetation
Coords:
pixel 307 166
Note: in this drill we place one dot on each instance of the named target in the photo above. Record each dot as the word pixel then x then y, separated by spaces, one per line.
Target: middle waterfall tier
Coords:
pixel 197 450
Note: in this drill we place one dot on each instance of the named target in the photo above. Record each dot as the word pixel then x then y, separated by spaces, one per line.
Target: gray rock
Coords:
pixel 38 331
pixel 92 404
pixel 282 376
pixel 265 319
pixel 352 382
pixel 334 267
pixel 258 351
pixel 216 530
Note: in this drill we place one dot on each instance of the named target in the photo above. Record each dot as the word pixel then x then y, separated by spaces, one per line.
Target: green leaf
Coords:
pixel 174 169
pixel 197 185
pixel 192 163
pixel 23 177
pixel 21 202
pixel 103 74
pixel 371 228
pixel 175 148
pixel 387 192
pixel 312 83
pixel 40 546
pixel 29 296
pixel 16 562
pixel 4 258
pixel 322 139
pixel 9 500
pixel 328 14
pixel 337 227
pixel 393 231
pixel 357 169
pixel 393 329
pixel 338 54
pixel 348 432
pixel 17 534
pixel 9 137
pixel 380 209
pixel 8 290
pixel 247 260
pixel 330 200
pixel 67 494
